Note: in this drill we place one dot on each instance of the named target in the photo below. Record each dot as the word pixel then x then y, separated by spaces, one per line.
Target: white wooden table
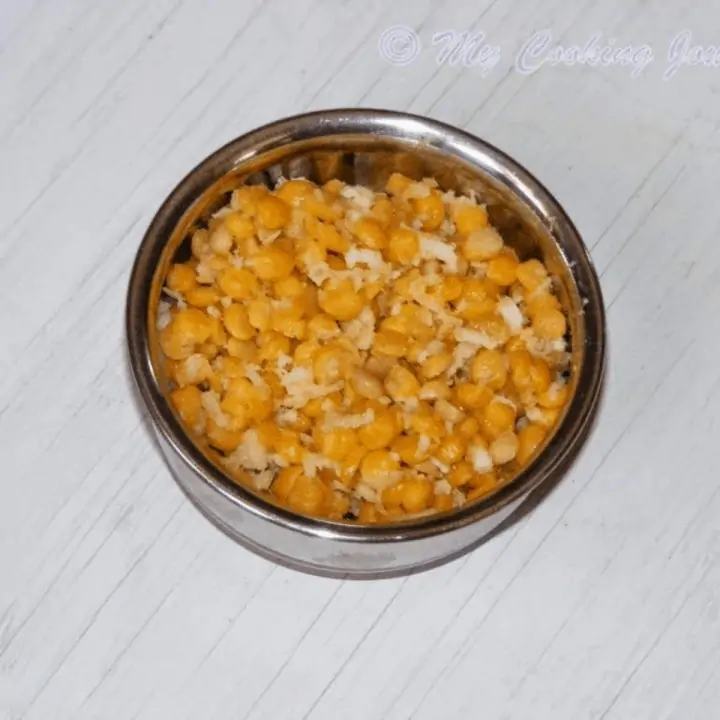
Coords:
pixel 118 600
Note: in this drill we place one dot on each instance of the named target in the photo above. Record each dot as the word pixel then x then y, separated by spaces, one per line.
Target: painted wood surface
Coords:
pixel 118 600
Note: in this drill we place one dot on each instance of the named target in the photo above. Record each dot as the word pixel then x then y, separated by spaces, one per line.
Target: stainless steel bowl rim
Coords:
pixel 399 126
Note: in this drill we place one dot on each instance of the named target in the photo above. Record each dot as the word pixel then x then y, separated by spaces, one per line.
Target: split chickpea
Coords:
pixel 364 356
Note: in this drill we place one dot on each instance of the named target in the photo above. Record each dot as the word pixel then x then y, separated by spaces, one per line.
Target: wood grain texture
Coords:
pixel 118 600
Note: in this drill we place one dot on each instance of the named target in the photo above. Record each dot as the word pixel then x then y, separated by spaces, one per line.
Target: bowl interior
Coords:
pixel 527 216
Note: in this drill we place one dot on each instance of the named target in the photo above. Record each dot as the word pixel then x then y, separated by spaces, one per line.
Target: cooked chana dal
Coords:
pixel 363 356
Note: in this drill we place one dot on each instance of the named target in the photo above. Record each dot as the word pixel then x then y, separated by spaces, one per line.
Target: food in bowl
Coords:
pixel 363 356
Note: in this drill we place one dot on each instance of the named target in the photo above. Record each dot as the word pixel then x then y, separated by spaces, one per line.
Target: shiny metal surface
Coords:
pixel 365 146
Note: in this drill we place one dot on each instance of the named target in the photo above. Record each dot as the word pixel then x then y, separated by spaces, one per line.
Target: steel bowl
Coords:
pixel 365 146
